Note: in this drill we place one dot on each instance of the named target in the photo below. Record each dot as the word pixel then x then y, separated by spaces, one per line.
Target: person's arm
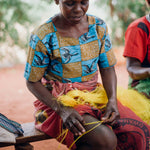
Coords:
pixel 109 80
pixel 71 118
pixel 135 70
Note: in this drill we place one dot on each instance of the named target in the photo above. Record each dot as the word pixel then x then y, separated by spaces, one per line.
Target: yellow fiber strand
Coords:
pixel 68 101
pixel 137 102
pixel 96 98
pixel 89 123
pixel 99 123
pixel 66 132
pixel 64 136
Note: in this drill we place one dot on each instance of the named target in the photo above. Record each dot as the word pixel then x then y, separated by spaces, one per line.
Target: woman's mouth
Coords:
pixel 77 18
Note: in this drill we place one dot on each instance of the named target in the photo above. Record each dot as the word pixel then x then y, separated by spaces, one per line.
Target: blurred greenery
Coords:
pixel 11 12
pixel 18 12
pixel 120 13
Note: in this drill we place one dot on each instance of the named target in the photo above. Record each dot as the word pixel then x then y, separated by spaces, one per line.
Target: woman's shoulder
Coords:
pixel 96 20
pixel 136 22
pixel 99 25
pixel 44 29
pixel 140 25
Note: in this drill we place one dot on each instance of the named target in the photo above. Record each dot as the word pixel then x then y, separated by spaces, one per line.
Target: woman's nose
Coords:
pixel 77 8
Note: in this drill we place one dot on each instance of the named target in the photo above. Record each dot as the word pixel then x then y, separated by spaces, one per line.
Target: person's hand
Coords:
pixel 72 120
pixel 111 113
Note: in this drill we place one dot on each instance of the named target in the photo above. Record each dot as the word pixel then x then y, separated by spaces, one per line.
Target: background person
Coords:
pixel 137 53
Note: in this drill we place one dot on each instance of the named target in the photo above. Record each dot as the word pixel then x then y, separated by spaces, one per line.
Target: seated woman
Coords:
pixel 61 72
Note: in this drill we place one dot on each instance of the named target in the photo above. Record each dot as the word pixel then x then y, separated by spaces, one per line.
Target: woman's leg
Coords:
pixel 101 138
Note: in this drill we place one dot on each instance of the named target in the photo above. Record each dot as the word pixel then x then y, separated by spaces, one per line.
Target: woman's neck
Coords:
pixel 67 29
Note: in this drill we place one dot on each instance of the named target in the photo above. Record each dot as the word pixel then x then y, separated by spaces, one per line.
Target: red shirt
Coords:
pixel 137 40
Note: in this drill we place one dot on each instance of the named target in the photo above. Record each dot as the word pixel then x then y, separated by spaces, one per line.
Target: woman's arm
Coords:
pixel 109 80
pixel 135 70
pixel 71 118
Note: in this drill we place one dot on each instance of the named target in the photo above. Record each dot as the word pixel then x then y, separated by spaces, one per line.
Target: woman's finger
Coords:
pixel 72 127
pixel 106 116
pixel 79 126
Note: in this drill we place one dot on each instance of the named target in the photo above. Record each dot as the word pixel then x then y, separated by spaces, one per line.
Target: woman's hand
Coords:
pixel 110 83
pixel 72 120
pixel 112 113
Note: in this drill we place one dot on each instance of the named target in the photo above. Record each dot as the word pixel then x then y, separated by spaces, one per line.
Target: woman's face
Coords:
pixel 73 10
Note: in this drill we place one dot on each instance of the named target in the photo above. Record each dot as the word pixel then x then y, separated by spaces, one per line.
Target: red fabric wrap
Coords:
pixel 131 131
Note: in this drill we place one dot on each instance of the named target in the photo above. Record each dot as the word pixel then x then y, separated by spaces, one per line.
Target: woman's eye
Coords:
pixel 84 2
pixel 69 3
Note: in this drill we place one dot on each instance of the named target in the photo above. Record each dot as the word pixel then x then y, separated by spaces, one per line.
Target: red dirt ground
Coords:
pixel 16 102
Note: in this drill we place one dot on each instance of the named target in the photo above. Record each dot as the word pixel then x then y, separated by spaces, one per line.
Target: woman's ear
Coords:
pixel 57 2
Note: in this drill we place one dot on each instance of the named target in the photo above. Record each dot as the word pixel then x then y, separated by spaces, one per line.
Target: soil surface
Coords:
pixel 16 102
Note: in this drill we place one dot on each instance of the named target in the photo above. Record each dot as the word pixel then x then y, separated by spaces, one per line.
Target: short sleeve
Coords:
pixel 135 43
pixel 37 60
pixel 106 56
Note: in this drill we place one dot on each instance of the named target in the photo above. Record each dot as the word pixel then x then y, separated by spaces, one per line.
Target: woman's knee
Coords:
pixel 102 137
pixel 107 139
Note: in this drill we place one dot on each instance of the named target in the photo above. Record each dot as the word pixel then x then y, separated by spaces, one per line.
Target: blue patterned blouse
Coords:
pixel 68 59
